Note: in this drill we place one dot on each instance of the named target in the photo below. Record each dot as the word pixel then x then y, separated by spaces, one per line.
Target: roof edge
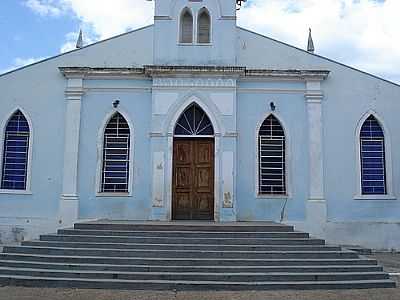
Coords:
pixel 174 71
pixel 320 56
pixel 76 50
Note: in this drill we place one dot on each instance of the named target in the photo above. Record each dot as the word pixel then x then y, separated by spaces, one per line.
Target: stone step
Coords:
pixel 29 281
pixel 171 246
pixel 177 268
pixel 195 276
pixel 180 234
pixel 180 240
pixel 177 253
pixel 184 261
pixel 230 227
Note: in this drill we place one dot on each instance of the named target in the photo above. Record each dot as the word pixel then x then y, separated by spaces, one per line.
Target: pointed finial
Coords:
pixel 310 46
pixel 79 42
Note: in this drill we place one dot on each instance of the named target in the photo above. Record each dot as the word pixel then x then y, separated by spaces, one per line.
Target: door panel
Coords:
pixel 193 179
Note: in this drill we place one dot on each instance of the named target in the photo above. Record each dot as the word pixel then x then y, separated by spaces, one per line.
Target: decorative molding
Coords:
pixel 271 90
pixel 69 197
pixel 306 75
pixel 162 18
pixel 74 93
pixel 168 71
pixel 314 96
pixel 95 73
pixel 188 71
pixel 117 89
pixel 231 134
pixel 194 82
pixel 157 134
pixel 232 18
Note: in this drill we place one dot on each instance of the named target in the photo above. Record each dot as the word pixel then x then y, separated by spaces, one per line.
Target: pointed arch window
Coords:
pixel 116 156
pixel 204 27
pixel 186 27
pixel 194 121
pixel 372 152
pixel 15 153
pixel 272 158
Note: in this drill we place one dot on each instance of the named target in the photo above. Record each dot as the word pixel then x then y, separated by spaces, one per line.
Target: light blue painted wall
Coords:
pixel 39 90
pixel 253 108
pixel 221 50
pixel 96 106
pixel 348 95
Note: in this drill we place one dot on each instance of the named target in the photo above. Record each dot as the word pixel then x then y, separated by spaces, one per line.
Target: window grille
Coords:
pixel 373 166
pixel 272 164
pixel 194 121
pixel 204 25
pixel 116 156
pixel 186 27
pixel 15 153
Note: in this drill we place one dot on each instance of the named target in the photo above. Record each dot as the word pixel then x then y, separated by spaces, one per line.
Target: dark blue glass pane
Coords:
pixel 15 156
pixel 194 121
pixel 371 129
pixel 372 158
pixel 116 151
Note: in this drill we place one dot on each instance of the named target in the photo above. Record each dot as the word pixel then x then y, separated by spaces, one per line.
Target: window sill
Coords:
pixel 15 192
pixel 375 197
pixel 266 197
pixel 113 195
pixel 196 44
pixel 186 44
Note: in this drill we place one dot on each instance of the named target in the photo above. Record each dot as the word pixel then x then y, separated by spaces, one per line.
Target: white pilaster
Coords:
pixel 314 98
pixel 316 204
pixel 69 205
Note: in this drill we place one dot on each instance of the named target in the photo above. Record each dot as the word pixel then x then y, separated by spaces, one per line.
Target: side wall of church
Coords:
pixel 349 96
pixel 39 92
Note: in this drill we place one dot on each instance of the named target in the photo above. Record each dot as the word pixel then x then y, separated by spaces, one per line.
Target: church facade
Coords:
pixel 195 118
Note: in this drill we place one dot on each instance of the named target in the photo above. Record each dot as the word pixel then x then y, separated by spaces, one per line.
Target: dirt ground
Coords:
pixel 391 262
pixel 13 293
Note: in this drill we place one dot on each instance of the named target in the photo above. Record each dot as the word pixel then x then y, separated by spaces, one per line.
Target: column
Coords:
pixel 69 204
pixel 316 204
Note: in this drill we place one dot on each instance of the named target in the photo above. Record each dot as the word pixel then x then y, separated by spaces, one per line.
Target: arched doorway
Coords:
pixel 193 166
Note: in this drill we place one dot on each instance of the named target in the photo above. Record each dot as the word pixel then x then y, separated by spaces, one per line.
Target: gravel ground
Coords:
pixel 390 261
pixel 11 293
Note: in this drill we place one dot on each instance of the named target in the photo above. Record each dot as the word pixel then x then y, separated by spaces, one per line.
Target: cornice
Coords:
pixel 318 75
pixel 185 71
pixel 155 71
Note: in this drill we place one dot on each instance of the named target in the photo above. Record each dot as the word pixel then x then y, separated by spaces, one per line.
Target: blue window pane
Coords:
pixel 272 166
pixel 15 155
pixel 116 150
pixel 372 144
pixel 194 121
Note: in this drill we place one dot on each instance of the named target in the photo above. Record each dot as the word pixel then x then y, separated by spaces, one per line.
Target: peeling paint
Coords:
pixel 227 200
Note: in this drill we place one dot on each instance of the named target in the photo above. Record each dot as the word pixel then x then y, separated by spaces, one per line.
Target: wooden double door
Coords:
pixel 193 179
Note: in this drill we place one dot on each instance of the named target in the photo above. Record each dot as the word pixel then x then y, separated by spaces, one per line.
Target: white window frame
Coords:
pixel 388 161
pixel 4 123
pixel 183 10
pixel 211 27
pixel 100 160
pixel 288 168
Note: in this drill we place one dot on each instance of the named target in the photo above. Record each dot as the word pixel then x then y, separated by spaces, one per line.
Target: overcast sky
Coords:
pixel 362 33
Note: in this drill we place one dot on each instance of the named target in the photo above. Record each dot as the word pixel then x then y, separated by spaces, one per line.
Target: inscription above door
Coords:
pixel 193 179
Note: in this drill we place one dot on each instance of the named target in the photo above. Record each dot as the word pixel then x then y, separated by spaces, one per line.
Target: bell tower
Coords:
pixel 195 32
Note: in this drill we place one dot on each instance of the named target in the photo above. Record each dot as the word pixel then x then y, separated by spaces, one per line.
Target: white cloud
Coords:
pixel 44 7
pixel 362 33
pixel 108 18
pixel 21 62
pixel 71 39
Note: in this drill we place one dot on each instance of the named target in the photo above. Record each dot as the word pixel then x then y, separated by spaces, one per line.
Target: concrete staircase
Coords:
pixel 186 256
